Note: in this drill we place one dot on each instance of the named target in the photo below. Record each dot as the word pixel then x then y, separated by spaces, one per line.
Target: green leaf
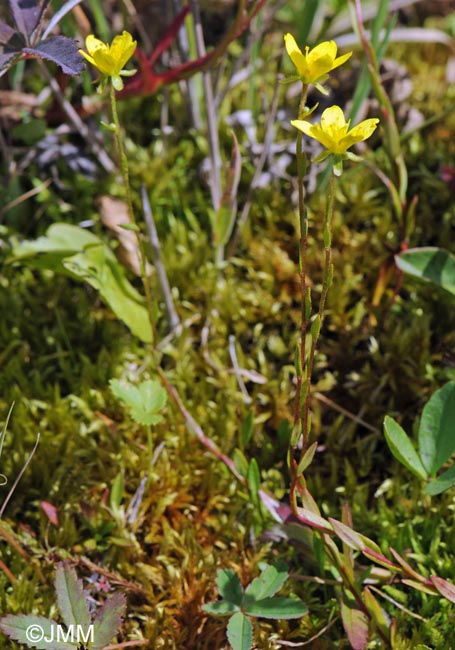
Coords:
pixel 437 428
pixel 402 448
pixel 352 538
pixel 408 569
pixel 240 632
pixel 229 586
pixel 429 264
pixel 82 255
pixel 60 241
pixel 378 615
pixel 107 620
pixel 279 607
pixel 240 462
pixel 310 518
pixel 269 582
pixel 116 495
pixel 247 428
pixel 225 217
pixel 107 276
pixel 307 458
pixel 418 586
pixel 220 608
pixel 444 481
pixel 144 401
pixel 71 598
pixel 254 480
pixel 24 627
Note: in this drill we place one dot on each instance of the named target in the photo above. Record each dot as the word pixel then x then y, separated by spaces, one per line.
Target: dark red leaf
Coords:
pixel 147 82
pixel 7 33
pixel 27 14
pixel 168 37
pixel 61 50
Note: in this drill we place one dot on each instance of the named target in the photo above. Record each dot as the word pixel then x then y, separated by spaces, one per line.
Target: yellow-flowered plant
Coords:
pixel 314 65
pixel 333 132
pixel 110 59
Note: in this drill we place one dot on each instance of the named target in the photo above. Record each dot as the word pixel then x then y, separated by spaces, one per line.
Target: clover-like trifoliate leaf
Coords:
pixel 144 401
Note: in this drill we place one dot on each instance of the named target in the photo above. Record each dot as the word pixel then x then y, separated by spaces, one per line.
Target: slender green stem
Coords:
pixel 317 322
pixel 129 200
pixel 305 297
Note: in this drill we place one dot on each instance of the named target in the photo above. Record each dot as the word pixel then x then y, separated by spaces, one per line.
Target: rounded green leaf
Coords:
pixel 229 586
pixel 444 481
pixel 276 608
pixel 437 427
pixel 402 448
pixel 240 632
pixel 269 582
pixel 429 264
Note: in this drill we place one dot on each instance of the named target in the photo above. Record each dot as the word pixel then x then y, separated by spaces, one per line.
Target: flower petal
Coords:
pixel 93 44
pixel 325 138
pixel 302 125
pixel 296 54
pixel 340 60
pixel 87 56
pixel 326 50
pixel 334 123
pixel 314 131
pixel 104 63
pixel 122 49
pixel 362 131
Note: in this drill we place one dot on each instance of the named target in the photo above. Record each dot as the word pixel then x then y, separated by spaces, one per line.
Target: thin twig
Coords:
pixel 270 503
pixel 12 578
pixel 191 88
pixel 211 112
pixel 20 475
pixel 236 368
pixel 25 196
pixel 57 17
pixel 268 141
pixel 195 428
pixel 139 24
pixel 88 135
pixel 155 250
pixel 397 604
pixel 244 58
pixel 10 538
pixel 355 418
pixel 292 644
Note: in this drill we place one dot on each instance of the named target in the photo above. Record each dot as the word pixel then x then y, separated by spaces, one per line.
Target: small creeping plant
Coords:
pixel 256 601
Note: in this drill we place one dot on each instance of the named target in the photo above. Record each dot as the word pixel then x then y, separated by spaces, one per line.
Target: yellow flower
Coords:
pixel 110 59
pixel 314 65
pixel 334 133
